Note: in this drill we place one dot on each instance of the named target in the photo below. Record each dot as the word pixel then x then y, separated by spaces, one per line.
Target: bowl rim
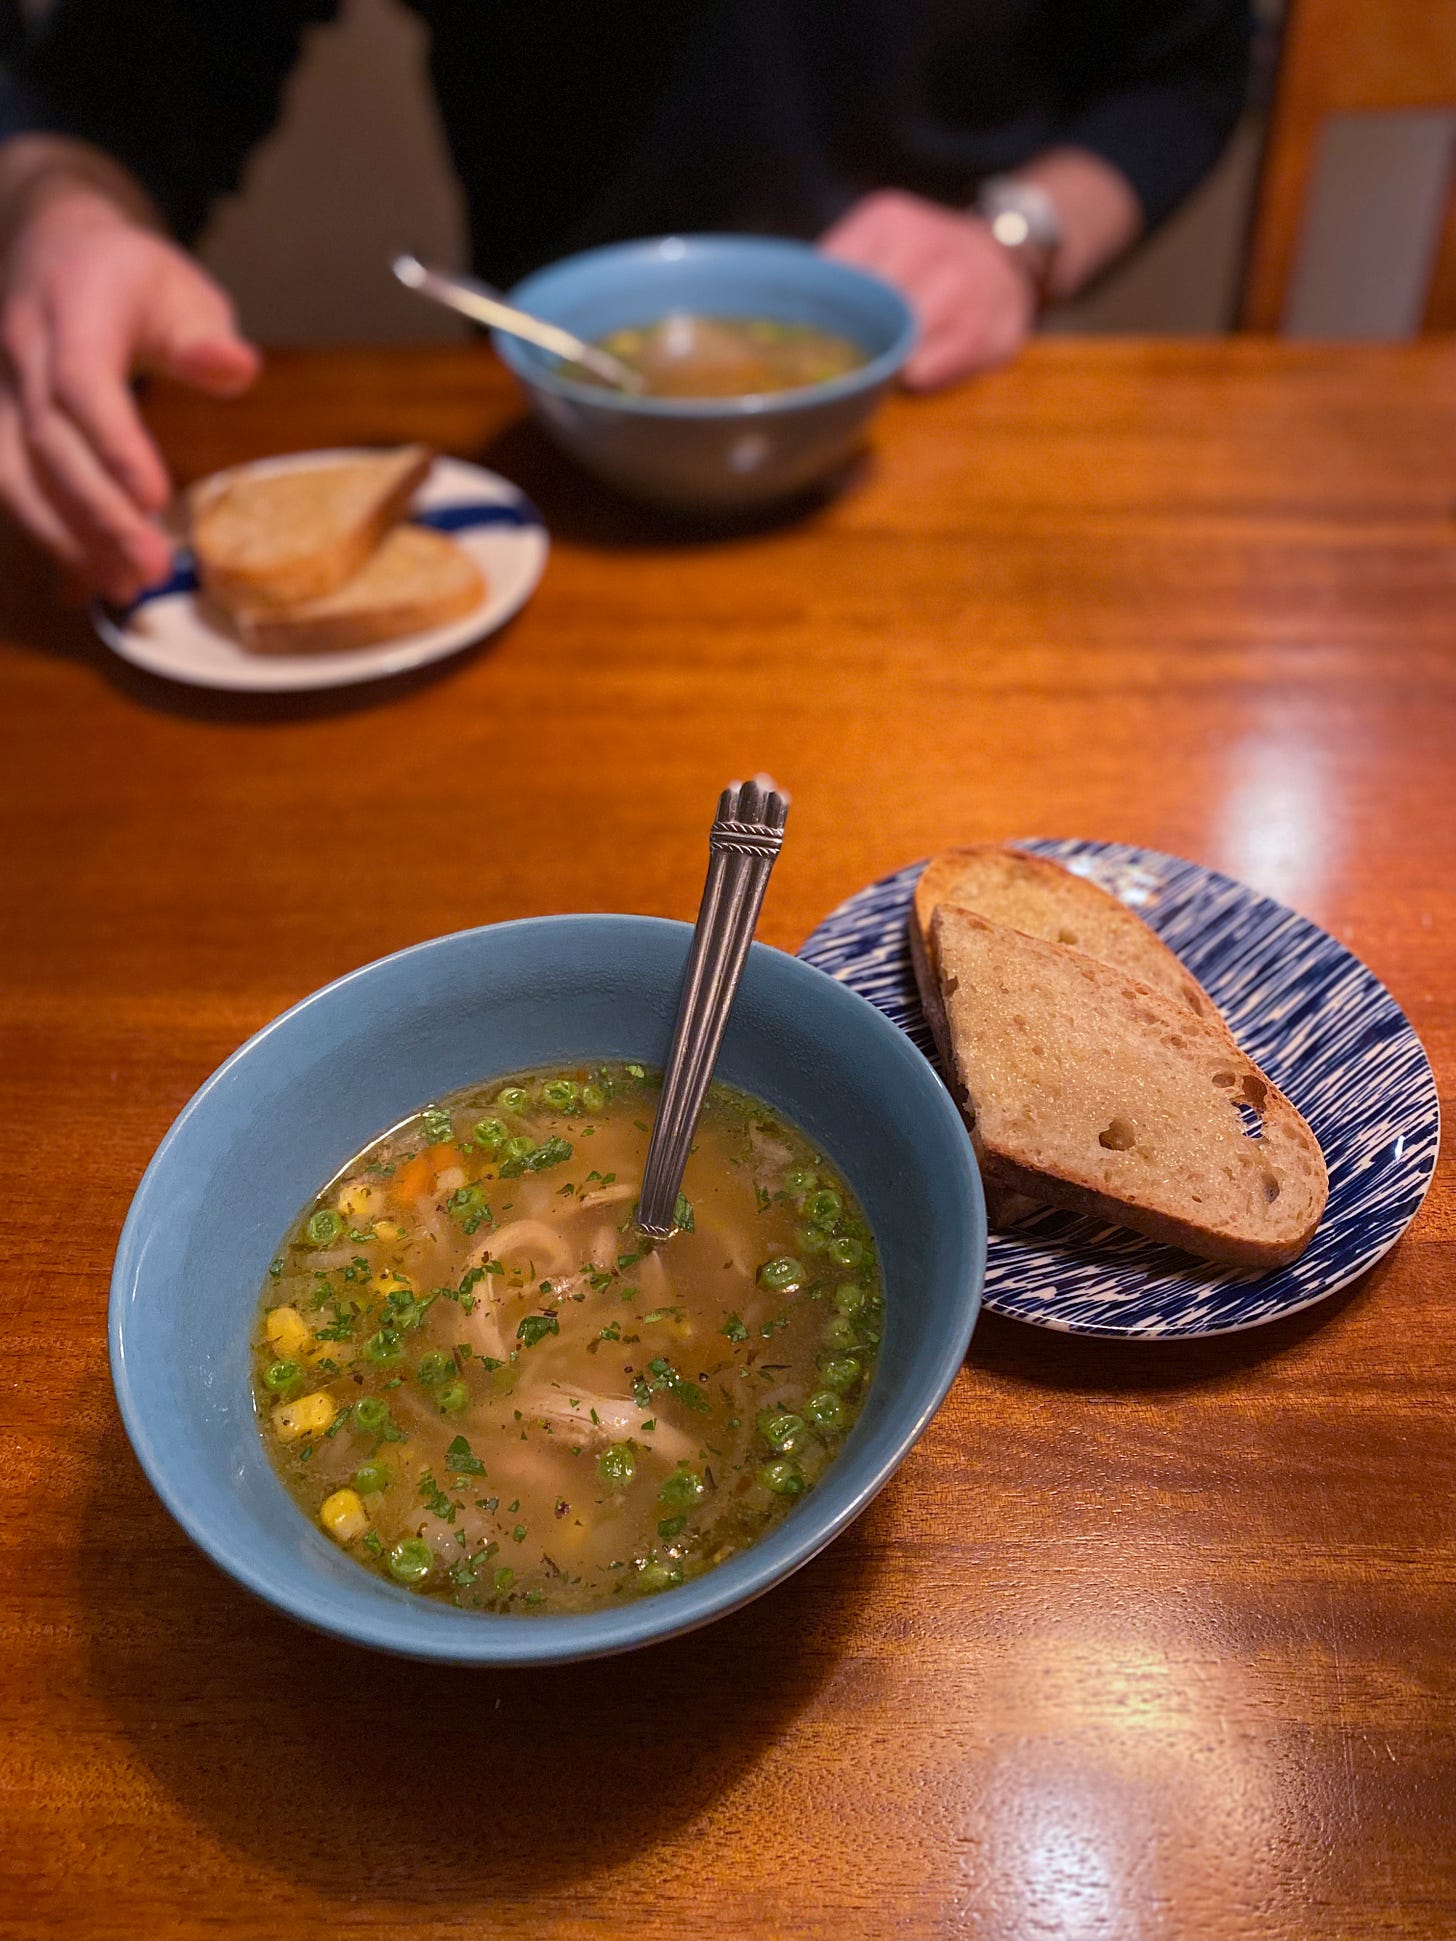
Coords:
pixel 878 370
pixel 485 1639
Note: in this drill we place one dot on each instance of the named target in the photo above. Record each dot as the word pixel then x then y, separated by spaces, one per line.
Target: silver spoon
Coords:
pixel 743 845
pixel 487 306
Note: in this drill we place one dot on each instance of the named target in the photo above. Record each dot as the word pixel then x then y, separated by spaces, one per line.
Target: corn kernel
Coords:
pixel 382 1284
pixel 344 1516
pixel 354 1201
pixel 310 1415
pixel 288 1333
pixel 388 1230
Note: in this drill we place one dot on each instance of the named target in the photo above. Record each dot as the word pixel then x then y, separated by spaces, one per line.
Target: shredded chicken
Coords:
pixel 619 1419
pixel 531 1238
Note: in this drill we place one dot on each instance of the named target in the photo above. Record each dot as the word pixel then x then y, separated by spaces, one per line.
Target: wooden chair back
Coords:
pixel 1346 57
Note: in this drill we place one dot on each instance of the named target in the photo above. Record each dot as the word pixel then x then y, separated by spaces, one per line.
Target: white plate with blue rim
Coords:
pixel 168 631
pixel 1324 1028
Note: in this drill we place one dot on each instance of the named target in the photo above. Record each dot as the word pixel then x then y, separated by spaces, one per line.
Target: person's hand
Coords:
pixel 89 296
pixel 975 305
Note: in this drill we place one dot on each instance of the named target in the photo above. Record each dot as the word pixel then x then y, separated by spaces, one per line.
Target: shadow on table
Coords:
pixel 584 512
pixel 1084 1364
pixel 356 1774
pixel 37 618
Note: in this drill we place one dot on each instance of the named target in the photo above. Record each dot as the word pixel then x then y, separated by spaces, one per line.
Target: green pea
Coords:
pixel 781 1429
pixel 849 1298
pixel 491 1134
pixel 410 1560
pixel 784 1478
pixel 282 1376
pixel 812 1240
pixel 671 1526
pixel 781 1276
pixel 383 1346
pixel 518 1147
pixel 846 1251
pixel 504 1578
pixel 324 1226
pixel 840 1372
pixel 562 1093
pixel 682 1488
pixel 825 1410
pixel 515 1098
pixel 435 1367
pixel 593 1098
pixel 617 1465
pixel 800 1182
pixel 371 1414
pixel 370 1478
pixel 824 1208
pixel 840 1332
pixel 657 1575
pixel 455 1396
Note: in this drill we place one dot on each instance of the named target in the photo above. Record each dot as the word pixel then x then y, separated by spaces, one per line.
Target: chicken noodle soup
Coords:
pixel 684 356
pixel 486 1384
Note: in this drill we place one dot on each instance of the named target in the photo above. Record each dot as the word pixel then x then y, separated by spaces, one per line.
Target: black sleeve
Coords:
pixel 1157 86
pixel 178 91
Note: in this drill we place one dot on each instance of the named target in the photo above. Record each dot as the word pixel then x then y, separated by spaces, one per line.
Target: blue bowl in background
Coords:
pixel 289 1109
pixel 710 455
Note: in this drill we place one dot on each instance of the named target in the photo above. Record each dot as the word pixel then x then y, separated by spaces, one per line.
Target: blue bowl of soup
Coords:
pixel 317 1086
pixel 711 455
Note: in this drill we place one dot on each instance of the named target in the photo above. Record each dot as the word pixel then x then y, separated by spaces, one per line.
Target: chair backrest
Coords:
pixel 1346 57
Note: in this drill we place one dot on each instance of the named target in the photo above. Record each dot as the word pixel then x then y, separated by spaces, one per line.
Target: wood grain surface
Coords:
pixel 1141 1643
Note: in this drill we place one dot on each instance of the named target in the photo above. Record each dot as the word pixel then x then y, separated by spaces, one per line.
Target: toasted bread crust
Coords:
pixel 1005 1205
pixel 996 879
pixel 247 558
pixel 956 876
pixel 1194 1184
pixel 416 579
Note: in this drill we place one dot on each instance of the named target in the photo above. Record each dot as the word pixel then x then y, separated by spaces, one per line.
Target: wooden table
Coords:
pixel 1141 1642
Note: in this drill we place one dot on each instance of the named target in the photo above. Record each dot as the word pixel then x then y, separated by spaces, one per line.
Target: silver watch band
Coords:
pixel 1023 219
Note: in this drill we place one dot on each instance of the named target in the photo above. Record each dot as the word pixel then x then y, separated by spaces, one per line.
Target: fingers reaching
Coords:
pixel 191 335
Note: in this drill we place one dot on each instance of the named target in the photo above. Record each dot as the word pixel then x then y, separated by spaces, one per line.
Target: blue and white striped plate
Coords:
pixel 170 632
pixel 1327 1032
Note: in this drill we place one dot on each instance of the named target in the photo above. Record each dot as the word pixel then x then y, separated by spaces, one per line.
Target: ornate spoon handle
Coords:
pixel 743 846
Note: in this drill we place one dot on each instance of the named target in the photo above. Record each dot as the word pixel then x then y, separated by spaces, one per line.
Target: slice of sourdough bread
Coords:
pixel 1087 1089
pixel 278 538
pixel 415 579
pixel 1033 894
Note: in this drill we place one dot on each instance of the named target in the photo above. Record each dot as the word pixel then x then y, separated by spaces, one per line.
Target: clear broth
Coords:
pixel 684 356
pixel 486 1384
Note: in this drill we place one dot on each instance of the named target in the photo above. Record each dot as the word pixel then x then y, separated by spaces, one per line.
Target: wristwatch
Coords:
pixel 1023 219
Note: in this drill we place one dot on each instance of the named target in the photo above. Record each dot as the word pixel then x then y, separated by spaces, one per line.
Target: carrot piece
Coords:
pixel 417 1178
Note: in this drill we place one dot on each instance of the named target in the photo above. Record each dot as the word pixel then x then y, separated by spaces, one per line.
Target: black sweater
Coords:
pixel 574 122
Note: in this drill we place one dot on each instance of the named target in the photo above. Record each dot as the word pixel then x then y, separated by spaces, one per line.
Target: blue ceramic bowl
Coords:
pixel 319 1083
pixel 710 455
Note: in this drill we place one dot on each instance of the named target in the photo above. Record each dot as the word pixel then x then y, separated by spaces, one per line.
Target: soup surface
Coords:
pixel 485 1383
pixel 685 356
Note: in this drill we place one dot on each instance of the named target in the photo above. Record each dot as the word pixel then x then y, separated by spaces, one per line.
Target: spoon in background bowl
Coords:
pixel 747 834
pixel 483 305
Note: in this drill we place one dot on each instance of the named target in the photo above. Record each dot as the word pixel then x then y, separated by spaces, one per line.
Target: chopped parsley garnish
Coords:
pixel 460 1461
pixel 435 1499
pixel 536 1327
